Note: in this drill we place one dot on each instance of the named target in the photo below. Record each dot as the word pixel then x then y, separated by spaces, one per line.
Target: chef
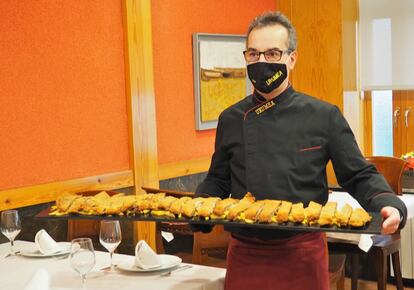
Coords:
pixel 276 144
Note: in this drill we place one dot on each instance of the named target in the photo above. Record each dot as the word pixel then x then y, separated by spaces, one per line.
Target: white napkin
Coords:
pixel 39 281
pixel 365 242
pixel 145 257
pixel 46 244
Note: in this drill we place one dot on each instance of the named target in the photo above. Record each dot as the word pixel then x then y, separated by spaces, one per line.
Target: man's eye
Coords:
pixel 272 53
pixel 253 53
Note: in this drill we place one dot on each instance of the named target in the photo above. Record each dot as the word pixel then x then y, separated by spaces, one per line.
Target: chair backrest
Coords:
pixel 392 168
pixel 215 242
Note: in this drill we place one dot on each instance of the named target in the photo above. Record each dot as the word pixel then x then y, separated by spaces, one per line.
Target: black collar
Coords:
pixel 258 98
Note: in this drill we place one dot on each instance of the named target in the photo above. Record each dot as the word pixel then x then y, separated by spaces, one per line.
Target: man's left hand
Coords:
pixel 391 221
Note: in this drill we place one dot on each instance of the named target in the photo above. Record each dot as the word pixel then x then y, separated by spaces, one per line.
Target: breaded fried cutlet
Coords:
pixel 166 203
pixel 283 212
pixel 359 218
pixel 189 209
pixel 242 205
pixel 342 216
pixel 312 212
pixel 327 214
pixel 176 206
pixel 297 214
pixel 251 213
pixel 207 207
pixel 222 208
pixel 269 208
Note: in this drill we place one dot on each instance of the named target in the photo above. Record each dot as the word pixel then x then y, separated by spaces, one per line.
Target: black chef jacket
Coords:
pixel 278 149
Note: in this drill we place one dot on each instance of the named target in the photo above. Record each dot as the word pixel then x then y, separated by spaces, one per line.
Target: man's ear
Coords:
pixel 292 60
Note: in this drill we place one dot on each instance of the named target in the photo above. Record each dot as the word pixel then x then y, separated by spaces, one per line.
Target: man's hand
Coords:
pixel 391 221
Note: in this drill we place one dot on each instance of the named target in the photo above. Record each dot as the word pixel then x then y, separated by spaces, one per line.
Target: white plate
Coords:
pixel 34 252
pixel 168 262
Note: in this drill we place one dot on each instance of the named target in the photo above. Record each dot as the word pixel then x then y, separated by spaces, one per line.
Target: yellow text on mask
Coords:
pixel 274 77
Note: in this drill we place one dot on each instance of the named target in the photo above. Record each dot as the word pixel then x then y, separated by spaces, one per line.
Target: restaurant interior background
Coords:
pixel 101 96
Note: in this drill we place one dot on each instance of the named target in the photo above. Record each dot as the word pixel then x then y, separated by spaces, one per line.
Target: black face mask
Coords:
pixel 266 76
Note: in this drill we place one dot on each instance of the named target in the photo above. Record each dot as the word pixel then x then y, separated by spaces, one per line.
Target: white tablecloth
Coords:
pixel 16 272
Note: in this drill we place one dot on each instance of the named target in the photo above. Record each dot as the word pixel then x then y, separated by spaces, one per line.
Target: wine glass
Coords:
pixel 82 257
pixel 110 237
pixel 10 226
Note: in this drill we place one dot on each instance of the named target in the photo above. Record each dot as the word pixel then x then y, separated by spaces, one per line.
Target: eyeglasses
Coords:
pixel 271 55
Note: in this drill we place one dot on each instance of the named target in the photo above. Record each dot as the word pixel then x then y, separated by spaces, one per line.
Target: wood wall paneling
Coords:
pixel 319 69
pixel 367 124
pixel 349 44
pixel 183 168
pixel 25 196
pixel 141 103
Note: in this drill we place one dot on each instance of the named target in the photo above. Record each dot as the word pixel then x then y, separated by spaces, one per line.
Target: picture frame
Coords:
pixel 220 75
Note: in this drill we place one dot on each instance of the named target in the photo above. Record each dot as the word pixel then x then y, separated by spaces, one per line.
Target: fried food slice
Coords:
pixel 283 212
pixel 242 205
pixel 64 201
pixel 207 207
pixel 77 205
pixel 189 209
pixel 115 204
pixel 164 206
pixel 166 202
pixel 128 202
pixel 142 203
pixel 312 212
pixel 156 199
pixel 342 216
pixel 297 214
pixel 222 208
pixel 359 218
pixel 176 206
pixel 268 210
pixel 327 214
pixel 252 212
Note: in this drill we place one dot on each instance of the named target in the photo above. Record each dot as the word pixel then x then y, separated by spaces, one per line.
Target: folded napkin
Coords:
pixel 46 244
pixel 145 257
pixel 39 281
pixel 366 242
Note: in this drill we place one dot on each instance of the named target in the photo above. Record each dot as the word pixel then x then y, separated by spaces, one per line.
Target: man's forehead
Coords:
pixel 274 36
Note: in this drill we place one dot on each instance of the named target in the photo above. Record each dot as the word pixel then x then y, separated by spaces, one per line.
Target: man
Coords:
pixel 275 144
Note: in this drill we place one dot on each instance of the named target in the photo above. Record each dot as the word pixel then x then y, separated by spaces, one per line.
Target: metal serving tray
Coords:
pixel 373 227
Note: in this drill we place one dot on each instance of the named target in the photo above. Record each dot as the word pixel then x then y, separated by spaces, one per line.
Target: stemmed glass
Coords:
pixel 10 226
pixel 82 257
pixel 110 237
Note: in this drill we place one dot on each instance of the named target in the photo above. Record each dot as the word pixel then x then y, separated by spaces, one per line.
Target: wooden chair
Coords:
pixel 392 168
pixel 211 248
pixel 385 245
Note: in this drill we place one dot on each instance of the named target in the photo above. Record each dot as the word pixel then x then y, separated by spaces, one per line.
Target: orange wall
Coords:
pixel 62 99
pixel 174 22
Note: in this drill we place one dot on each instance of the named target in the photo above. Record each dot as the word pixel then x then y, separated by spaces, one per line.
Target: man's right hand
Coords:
pixel 201 228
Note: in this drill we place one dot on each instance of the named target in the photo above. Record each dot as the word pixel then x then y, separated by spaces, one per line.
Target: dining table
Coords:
pixel 16 272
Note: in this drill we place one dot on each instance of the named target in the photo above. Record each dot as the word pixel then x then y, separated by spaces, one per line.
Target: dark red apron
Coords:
pixel 297 263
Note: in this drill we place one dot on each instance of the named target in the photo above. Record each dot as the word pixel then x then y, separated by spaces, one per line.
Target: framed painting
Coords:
pixel 220 75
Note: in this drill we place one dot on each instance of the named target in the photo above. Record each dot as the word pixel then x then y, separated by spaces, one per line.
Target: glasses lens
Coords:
pixel 251 55
pixel 273 55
